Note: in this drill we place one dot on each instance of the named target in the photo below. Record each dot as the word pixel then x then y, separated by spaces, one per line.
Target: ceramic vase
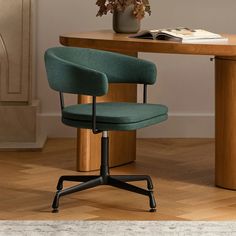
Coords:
pixel 125 21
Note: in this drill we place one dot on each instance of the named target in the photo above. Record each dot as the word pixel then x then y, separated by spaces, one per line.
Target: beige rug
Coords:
pixel 116 228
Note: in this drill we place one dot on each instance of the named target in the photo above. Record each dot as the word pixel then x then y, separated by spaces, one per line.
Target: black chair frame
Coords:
pixel 91 181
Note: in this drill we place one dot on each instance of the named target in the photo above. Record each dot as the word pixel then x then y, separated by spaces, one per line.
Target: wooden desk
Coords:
pixel 225 93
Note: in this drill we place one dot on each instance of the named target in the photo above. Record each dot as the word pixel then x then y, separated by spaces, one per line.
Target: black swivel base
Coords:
pixel 118 181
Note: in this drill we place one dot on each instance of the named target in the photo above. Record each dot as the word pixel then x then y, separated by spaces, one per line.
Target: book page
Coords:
pixel 186 33
pixel 146 34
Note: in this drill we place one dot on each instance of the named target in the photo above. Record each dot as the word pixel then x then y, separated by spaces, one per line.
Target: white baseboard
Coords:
pixel 54 128
pixel 182 126
pixel 177 126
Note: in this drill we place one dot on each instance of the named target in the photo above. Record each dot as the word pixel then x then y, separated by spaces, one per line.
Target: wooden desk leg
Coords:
pixel 122 144
pixel 225 93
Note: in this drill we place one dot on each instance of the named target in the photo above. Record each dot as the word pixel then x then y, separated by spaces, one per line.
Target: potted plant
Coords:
pixel 126 13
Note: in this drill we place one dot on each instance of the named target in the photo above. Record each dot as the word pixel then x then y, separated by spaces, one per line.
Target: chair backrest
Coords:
pixel 88 71
pixel 66 75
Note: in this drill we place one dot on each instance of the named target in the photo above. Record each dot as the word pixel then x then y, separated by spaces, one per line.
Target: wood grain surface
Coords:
pixel 182 171
pixel 108 40
pixel 225 96
pixel 225 53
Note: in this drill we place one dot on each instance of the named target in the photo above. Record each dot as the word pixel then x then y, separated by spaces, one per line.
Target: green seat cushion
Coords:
pixel 113 126
pixel 115 116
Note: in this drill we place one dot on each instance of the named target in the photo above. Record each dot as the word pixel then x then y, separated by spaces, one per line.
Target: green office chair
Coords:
pixel 89 72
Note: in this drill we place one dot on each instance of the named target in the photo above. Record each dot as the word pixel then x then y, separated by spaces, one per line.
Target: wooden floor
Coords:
pixel 182 170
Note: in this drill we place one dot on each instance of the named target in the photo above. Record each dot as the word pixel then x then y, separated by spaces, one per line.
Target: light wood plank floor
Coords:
pixel 182 170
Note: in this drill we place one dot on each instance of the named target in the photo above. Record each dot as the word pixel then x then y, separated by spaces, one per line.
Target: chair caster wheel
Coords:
pixel 153 210
pixel 55 211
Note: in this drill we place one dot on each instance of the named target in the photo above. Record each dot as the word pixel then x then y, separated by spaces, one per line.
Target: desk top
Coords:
pixel 108 40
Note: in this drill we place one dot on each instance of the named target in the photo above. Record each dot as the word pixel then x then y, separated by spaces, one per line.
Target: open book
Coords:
pixel 180 34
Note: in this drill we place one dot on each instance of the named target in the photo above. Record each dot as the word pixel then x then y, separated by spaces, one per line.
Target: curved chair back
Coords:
pixel 88 71
pixel 66 75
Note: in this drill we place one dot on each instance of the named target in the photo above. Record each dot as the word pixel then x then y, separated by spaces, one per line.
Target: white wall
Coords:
pixel 185 83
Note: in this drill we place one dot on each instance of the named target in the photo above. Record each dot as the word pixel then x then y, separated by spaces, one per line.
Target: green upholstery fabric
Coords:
pixel 69 77
pixel 114 112
pixel 115 116
pixel 110 126
pixel 85 71
pixel 88 72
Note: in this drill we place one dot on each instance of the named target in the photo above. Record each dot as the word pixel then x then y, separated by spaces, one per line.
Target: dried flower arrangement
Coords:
pixel 140 7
